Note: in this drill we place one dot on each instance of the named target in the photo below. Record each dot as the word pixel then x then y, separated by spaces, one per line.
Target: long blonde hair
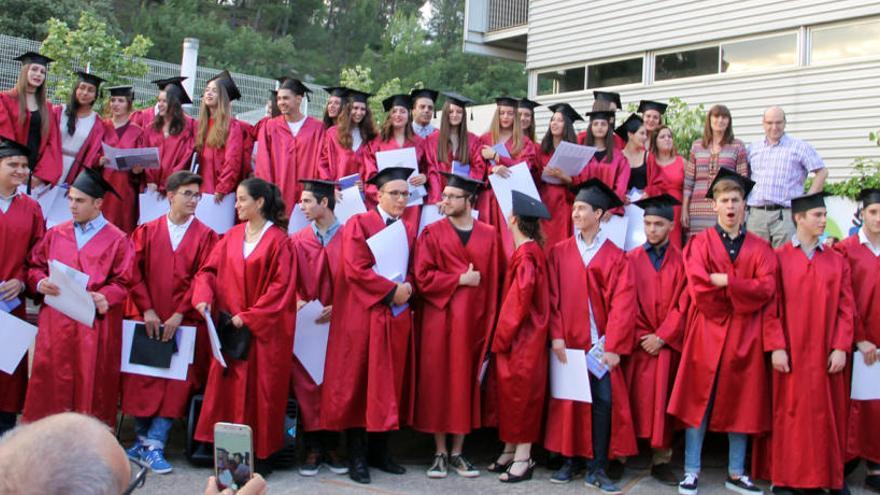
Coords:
pixel 516 134
pixel 444 144
pixel 20 91
pixel 216 136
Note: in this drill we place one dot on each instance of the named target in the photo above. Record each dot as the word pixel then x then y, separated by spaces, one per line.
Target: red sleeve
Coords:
pixel 205 282
pixel 707 298
pixel 48 167
pixel 228 174
pixel 844 330
pixel 38 231
pixel 139 293
pixel 325 168
pixel 115 288
pixel 621 294
pixel 38 264
pixel 205 248
pixel 263 168
pixel 557 329
pixel 672 328
pixel 435 286
pixel 276 298
pixel 516 305
pixel 748 295
pixel 622 180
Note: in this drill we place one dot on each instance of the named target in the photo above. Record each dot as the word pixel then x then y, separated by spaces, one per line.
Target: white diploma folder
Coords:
pixel 570 158
pixel 615 230
pixel 865 379
pixel 180 361
pixel 297 221
pixel 310 340
pixel 406 158
pixel 390 248
pixel 53 203
pixel 218 217
pixel 74 301
pixel 520 180
pixel 570 381
pixel 152 206
pixel 17 336
pixel 349 205
pixel 215 339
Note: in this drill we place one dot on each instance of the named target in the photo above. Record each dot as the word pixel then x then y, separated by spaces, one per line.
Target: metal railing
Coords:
pixel 505 14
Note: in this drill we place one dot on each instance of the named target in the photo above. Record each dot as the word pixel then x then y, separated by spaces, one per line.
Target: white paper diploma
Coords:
pixel 406 158
pixel 349 205
pixel 520 180
pixel 432 213
pixel 214 338
pixel 570 158
pixel 865 380
pixel 297 221
pixel 125 159
pixel 152 206
pixel 615 230
pixel 53 203
pixel 570 381
pixel 74 300
pixel 390 248
pixel 310 340
pixel 180 361
pixel 16 336
pixel 219 217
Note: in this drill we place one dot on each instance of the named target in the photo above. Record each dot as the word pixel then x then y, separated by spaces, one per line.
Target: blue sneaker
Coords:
pixel 600 481
pixel 135 451
pixel 155 458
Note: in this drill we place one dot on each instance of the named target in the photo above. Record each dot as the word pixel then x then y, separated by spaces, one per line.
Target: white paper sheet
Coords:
pixel 219 217
pixel 570 158
pixel 297 221
pixel 16 336
pixel 406 158
pixel 390 248
pixel 310 340
pixel 73 301
pixel 615 230
pixel 570 381
pixel 635 222
pixel 349 204
pixel 180 361
pixel 520 180
pixel 432 213
pixel 53 203
pixel 215 339
pixel 125 159
pixel 152 206
pixel 865 380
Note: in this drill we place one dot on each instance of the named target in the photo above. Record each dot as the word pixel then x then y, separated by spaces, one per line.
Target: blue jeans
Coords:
pixel 693 447
pixel 601 416
pixel 153 432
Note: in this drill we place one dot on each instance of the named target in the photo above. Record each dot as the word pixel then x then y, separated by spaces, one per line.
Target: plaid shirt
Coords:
pixel 780 170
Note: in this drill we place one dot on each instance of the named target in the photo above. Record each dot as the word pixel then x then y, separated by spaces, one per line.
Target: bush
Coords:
pixel 686 123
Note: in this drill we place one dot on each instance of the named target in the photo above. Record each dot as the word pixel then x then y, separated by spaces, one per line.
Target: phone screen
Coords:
pixel 233 455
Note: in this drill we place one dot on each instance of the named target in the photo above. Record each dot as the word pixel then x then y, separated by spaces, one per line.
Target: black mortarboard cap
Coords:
pixel 122 91
pixel 358 96
pixel 600 115
pixel 466 184
pixel 567 110
pixel 458 99
pixel 506 101
pixel 631 124
pixel 725 173
pixel 527 103
pixel 652 105
pixel 91 182
pixel 89 78
pixel 869 196
pixel 609 96
pixel 337 91
pixel 176 88
pixel 808 202
pixel 34 58
pixel 400 100
pixel 294 85
pixel 597 194
pixel 423 93
pixel 161 83
pixel 225 79
pixel 389 174
pixel 9 147
pixel 527 206
pixel 322 187
pixel 661 206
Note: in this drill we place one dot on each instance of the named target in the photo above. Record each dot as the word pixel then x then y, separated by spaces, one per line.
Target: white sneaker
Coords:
pixel 688 485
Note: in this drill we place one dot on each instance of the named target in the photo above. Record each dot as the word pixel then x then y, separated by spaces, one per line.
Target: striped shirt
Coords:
pixel 780 170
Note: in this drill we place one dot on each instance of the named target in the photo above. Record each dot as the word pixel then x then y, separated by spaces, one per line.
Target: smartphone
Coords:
pixel 233 455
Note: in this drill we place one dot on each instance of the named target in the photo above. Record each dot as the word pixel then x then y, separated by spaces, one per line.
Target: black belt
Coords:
pixel 769 207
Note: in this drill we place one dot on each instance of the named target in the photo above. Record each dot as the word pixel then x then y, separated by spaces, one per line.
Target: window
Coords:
pixel 686 63
pixel 841 42
pixel 615 73
pixel 561 81
pixel 757 54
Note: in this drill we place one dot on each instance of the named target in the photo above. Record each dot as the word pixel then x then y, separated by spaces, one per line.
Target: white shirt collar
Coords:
pixel 385 216
pixel 863 239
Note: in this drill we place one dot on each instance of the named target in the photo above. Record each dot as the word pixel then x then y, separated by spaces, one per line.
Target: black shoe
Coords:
pixel 570 468
pixel 781 490
pixel 497 467
pixel 742 485
pixel 664 474
pixel 386 463
pixel 263 467
pixel 872 482
pixel 358 470
pixel 526 475
pixel 614 470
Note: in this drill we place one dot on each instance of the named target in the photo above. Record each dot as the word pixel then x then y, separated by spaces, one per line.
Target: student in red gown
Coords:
pixel 317 248
pixel 21 227
pixel 173 132
pixel 458 272
pixel 723 381
pixel 346 142
pixel 557 197
pixel 248 139
pixel 145 116
pixel 666 176
pixel 862 252
pixel 517 376
pixel 453 149
pixel 658 272
pixel 288 146
pixel 424 102
pixel 80 128
pixel 169 251
pixel 810 392
pixel 249 275
pixel 633 131
pixel 76 367
pixel 525 112
pixel 120 132
pixel 26 117
pixel 608 164
pixel 652 114
pixel 592 299
pixel 336 98
pixel 219 137
pixel 368 373
pixel 606 101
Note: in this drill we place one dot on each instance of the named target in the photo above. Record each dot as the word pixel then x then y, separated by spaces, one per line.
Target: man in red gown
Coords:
pixel 368 370
pixel 732 323
pixel 289 145
pixel 458 272
pixel 169 251
pixel 21 227
pixel 658 271
pixel 318 251
pixel 76 367
pixel 592 299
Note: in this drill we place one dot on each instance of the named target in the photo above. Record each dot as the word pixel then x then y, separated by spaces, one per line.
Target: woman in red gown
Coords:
pixel 120 132
pixel 173 132
pixel 219 137
pixel 666 175
pixel 345 143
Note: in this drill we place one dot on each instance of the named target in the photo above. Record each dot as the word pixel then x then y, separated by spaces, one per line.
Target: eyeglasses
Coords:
pixel 398 194
pixel 191 195
pixel 138 480
pixel 445 197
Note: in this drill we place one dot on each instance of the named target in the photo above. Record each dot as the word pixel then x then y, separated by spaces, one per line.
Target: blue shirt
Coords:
pixel 780 170
pixel 85 232
pixel 656 254
pixel 325 238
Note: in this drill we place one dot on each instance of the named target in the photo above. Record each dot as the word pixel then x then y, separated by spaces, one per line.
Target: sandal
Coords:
pixel 526 475
pixel 497 467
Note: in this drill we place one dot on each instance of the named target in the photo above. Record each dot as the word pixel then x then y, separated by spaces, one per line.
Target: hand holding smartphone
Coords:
pixel 233 455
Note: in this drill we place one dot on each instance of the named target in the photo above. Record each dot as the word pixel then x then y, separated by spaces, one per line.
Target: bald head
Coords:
pixel 64 453
pixel 774 124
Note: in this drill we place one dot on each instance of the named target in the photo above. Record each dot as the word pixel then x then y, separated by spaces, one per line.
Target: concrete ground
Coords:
pixel 414 450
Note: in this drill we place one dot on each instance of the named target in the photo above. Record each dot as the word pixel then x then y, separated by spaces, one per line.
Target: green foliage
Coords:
pixel 686 123
pixel 27 18
pixel 865 173
pixel 361 78
pixel 90 46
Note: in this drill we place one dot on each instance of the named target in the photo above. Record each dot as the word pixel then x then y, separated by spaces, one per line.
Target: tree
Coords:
pixel 361 79
pixel 27 18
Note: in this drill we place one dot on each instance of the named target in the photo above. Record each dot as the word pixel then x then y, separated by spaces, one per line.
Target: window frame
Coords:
pixel 811 30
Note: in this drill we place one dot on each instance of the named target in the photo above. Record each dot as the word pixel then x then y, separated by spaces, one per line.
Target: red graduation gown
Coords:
pixel 412 214
pixel 21 228
pixel 248 138
pixel 48 167
pixel 369 374
pixel 89 153
pixel 221 167
pixel 175 152
pixel 144 117
pixel 162 281
pixel 258 289
pixel 650 377
pixel 607 285
pixel 559 200
pixel 123 213
pixel 433 166
pixel 615 174
pixel 317 267
pixel 283 159
pixel 728 331
pixel 668 179
pixel 336 161
pixel 76 368
pixel 454 324
pixel 809 429
pixel 516 381
pixel 863 438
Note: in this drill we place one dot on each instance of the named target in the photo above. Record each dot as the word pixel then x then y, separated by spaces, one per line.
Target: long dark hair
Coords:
pixel 568 134
pixel 173 109
pixel 344 125
pixel 73 107
pixel 273 206
pixel 531 228
pixel 387 131
pixel 609 141
pixel 444 144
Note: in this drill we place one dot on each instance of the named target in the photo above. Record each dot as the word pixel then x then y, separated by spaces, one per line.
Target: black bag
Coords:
pixel 234 342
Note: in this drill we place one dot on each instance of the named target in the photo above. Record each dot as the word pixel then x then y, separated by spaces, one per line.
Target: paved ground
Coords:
pixel 414 450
